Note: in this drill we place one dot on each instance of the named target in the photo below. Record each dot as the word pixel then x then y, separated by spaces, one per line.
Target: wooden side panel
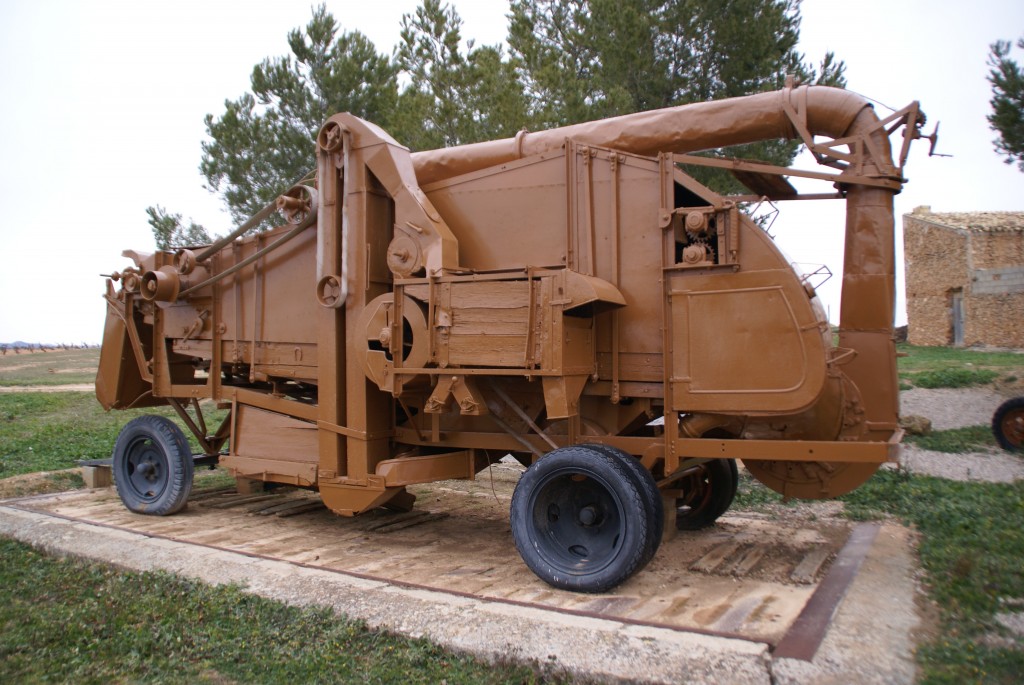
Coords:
pixel 489 323
pixel 269 435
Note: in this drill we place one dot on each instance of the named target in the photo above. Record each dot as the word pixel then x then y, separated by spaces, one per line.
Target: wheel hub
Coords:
pixel 1013 427
pixel 589 516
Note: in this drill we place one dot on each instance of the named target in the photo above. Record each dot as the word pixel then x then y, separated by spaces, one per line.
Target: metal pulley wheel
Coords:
pixel 377 327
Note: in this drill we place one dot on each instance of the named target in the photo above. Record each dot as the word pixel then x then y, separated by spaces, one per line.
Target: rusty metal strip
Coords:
pixel 806 634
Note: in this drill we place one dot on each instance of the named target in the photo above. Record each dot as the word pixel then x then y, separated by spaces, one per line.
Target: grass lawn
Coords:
pixel 948 367
pixel 67 621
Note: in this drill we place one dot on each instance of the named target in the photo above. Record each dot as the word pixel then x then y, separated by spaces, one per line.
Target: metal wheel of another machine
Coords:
pixel 152 466
pixel 1008 424
pixel 707 494
pixel 580 520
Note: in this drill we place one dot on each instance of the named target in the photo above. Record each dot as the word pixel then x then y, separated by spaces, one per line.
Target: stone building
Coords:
pixel 965 278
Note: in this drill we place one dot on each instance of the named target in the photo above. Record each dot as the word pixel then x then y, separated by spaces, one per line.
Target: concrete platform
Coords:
pixel 710 608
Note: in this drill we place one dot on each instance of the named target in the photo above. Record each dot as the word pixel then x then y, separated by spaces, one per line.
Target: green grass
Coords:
pixel 972 547
pixel 51 431
pixel 955 440
pixel 939 358
pixel 751 495
pixel 116 626
pixel 950 367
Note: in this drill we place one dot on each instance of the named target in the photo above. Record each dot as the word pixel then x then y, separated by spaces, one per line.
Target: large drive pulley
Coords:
pixel 811 479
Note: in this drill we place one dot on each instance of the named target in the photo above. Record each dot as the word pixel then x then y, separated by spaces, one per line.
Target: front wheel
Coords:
pixel 153 466
pixel 1008 424
pixel 580 520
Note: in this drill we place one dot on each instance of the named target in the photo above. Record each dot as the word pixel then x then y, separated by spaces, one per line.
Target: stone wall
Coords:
pixel 981 255
pixel 936 265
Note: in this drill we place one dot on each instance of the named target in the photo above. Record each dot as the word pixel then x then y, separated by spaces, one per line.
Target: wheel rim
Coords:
pixel 1012 426
pixel 579 522
pixel 146 468
pixel 697 495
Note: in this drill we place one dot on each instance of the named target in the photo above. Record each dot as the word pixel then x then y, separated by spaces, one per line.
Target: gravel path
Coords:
pixel 74 387
pixel 957 408
pixel 950 407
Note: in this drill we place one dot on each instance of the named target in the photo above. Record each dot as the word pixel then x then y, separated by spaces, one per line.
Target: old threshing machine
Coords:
pixel 570 297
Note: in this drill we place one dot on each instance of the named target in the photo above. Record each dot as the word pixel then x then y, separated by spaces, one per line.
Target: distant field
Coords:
pixel 59 367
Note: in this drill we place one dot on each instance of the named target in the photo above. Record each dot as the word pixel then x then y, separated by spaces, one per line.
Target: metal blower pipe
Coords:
pixel 682 129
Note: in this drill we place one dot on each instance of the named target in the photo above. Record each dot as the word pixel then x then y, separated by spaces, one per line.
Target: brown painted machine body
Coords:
pixel 424 314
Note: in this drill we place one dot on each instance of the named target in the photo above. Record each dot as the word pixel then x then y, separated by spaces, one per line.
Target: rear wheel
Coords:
pixel 153 466
pixel 1008 424
pixel 580 520
pixel 707 494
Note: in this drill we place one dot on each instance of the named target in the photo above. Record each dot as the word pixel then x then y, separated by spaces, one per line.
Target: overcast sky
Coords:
pixel 103 106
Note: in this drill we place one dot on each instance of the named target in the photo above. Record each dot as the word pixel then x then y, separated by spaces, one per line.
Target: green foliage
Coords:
pixel 951 378
pixel 67 621
pixel 955 440
pixel 170 230
pixel 589 60
pixel 973 536
pixel 1007 117
pixel 453 98
pixel 264 141
pixel 972 543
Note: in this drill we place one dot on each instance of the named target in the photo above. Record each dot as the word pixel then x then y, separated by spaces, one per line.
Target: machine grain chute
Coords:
pixel 548 296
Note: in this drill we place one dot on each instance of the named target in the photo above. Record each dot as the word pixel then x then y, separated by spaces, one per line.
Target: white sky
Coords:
pixel 103 106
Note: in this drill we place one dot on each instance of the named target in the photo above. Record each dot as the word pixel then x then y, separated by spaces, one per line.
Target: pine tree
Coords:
pixel 568 61
pixel 585 60
pixel 264 141
pixel 1007 117
pixel 170 231
pixel 453 97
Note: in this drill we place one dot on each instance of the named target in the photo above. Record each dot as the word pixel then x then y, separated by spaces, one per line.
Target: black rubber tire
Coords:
pixel 153 466
pixel 711 498
pixel 607 535
pixel 1008 424
pixel 648 488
